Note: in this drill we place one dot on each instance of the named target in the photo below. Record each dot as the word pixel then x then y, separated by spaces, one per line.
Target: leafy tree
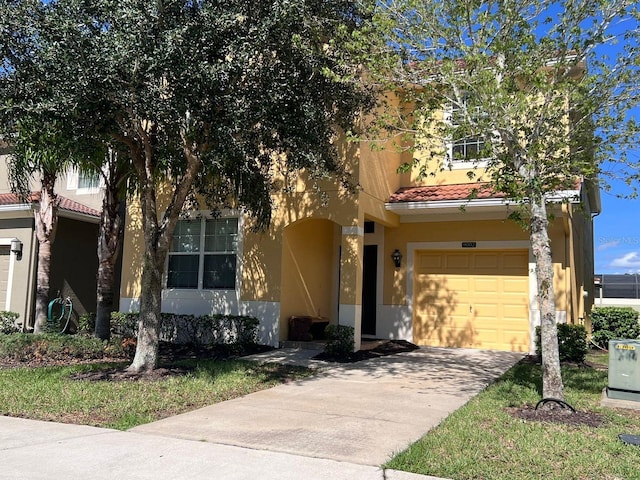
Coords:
pixel 543 88
pixel 208 95
pixel 43 149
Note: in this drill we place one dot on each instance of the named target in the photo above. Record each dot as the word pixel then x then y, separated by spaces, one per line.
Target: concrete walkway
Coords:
pixel 360 413
pixel 341 424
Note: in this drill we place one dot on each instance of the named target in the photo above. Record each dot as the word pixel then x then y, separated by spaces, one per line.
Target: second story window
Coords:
pixel 203 254
pixel 88 181
pixel 463 147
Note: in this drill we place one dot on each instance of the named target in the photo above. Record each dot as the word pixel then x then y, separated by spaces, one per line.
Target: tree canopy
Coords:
pixel 531 97
pixel 207 96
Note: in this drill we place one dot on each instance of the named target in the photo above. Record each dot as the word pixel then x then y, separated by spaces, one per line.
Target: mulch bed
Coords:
pixel 557 415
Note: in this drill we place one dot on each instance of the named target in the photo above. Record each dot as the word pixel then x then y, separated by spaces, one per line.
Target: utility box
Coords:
pixel 624 370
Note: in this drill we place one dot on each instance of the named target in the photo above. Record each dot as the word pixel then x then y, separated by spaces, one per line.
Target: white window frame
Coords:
pixel 73 182
pixel 462 163
pixel 202 217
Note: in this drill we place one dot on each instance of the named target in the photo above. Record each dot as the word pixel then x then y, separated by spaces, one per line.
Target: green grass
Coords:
pixel 49 393
pixel 484 441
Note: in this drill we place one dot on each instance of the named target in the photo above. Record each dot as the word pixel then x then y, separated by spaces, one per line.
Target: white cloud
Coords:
pixel 629 260
pixel 605 246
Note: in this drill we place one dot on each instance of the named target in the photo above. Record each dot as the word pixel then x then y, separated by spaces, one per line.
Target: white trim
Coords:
pixel 174 293
pixel 395 322
pixel 12 260
pixel 352 315
pixel 73 180
pixel 414 208
pixel 357 230
pixel 16 207
pixel 409 207
pixel 377 238
pixel 82 217
pixel 268 313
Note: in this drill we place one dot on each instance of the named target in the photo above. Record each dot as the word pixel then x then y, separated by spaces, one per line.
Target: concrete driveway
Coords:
pixel 360 413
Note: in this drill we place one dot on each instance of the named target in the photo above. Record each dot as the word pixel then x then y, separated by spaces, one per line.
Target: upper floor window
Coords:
pixel 88 181
pixel 204 254
pixel 83 182
pixel 463 148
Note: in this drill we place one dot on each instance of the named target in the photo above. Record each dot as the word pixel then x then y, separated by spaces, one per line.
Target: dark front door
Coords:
pixel 369 282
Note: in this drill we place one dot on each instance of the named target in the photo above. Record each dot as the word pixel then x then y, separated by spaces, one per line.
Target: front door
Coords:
pixel 369 282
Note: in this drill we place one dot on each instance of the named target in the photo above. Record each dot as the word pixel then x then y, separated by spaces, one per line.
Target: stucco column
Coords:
pixel 350 309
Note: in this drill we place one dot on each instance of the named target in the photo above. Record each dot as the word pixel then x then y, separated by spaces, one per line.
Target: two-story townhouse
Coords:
pixel 74 260
pixel 397 259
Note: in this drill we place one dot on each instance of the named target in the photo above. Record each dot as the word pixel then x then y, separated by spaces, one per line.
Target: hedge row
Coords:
pixel 191 329
pixel 613 323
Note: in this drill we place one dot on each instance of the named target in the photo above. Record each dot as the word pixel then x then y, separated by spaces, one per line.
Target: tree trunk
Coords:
pixel 42 287
pixel 46 221
pixel 109 239
pixel 146 357
pixel 104 304
pixel 551 374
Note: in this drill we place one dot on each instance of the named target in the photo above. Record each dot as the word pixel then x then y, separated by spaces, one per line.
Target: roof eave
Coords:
pixel 414 208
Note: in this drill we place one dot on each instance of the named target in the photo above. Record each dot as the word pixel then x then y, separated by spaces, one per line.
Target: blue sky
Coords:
pixel 617 236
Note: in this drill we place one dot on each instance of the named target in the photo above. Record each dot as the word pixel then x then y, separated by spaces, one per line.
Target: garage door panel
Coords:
pixel 457 261
pixel 486 261
pixel 482 305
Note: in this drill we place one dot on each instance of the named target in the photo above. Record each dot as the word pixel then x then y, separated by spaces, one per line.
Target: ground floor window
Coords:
pixel 204 254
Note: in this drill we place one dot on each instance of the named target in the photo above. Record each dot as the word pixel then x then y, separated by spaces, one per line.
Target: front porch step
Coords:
pixel 317 345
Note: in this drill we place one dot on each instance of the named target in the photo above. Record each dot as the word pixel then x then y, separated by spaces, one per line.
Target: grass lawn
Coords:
pixel 483 440
pixel 48 393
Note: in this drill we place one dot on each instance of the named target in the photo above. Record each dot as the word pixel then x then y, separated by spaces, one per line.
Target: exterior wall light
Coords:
pixel 16 247
pixel 397 258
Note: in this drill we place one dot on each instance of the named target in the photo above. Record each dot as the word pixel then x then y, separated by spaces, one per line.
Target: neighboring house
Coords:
pixel 74 261
pixel 465 274
pixel 618 290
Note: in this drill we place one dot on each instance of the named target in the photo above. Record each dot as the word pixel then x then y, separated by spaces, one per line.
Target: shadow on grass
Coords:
pixel 580 378
pixel 211 370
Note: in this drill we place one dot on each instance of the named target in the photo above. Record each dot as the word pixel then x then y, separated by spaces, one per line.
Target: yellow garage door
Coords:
pixel 473 299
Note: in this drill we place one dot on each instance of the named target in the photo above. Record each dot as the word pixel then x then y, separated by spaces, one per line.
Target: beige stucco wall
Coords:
pixel 24 266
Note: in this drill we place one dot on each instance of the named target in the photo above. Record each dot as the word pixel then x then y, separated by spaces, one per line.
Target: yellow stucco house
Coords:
pixel 461 277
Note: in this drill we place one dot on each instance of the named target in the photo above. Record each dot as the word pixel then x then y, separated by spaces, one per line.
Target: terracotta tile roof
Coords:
pixel 64 203
pixel 434 193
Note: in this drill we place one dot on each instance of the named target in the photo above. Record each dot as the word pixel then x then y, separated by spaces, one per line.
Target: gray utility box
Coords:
pixel 624 370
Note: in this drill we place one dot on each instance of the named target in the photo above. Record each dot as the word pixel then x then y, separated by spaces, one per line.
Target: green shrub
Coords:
pixel 27 346
pixel 610 323
pixel 190 329
pixel 340 341
pixel 87 323
pixel 572 342
pixel 8 323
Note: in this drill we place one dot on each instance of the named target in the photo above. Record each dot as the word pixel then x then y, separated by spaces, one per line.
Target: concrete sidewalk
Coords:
pixel 341 424
pixel 33 450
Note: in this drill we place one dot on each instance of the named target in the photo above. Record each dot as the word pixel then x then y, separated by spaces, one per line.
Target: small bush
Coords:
pixel 572 342
pixel 87 323
pixel 611 323
pixel 340 341
pixel 27 346
pixel 8 323
pixel 190 329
